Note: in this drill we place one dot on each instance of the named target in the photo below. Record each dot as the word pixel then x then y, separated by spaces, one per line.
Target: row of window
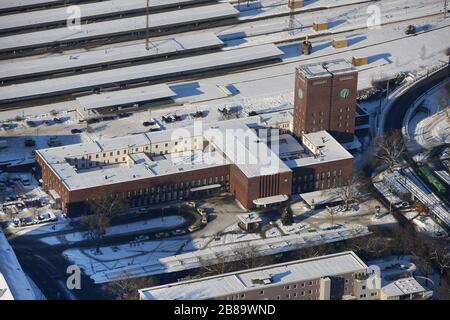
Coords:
pixel 318 176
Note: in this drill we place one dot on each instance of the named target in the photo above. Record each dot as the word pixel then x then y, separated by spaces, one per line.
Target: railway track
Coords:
pixel 134 35
pixel 248 68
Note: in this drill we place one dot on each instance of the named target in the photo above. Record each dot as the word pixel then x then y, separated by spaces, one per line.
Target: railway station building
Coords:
pixel 257 159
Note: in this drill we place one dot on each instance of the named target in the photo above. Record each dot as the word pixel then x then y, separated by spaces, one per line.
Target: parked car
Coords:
pixel 194 228
pixel 32 123
pixel 29 142
pixel 125 115
pixel 170 118
pixel 75 131
pixel 198 114
pixel 27 221
pixel 92 120
pixel 142 238
pixel 178 232
pixel 410 29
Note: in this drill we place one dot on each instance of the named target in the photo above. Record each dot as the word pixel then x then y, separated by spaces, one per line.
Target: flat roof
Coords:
pixel 174 163
pixel 403 287
pixel 20 4
pixel 5 292
pixel 271 200
pixel 326 69
pixel 118 27
pixel 250 217
pixel 251 279
pixel 147 72
pixel 129 96
pixel 73 61
pixel 330 150
pixel 89 10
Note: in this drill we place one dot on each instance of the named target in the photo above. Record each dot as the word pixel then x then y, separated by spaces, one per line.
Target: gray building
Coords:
pixel 339 276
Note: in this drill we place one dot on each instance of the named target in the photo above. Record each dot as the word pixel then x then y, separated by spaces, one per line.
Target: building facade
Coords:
pixel 339 276
pixel 325 99
pixel 256 159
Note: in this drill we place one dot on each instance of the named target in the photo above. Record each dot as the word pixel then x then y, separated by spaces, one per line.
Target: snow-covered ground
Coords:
pixel 430 126
pixel 154 224
pixel 156 257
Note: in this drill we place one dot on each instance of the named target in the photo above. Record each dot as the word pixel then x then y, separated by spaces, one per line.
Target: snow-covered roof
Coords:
pixel 150 71
pixel 327 148
pixel 119 26
pixel 251 217
pixel 403 287
pixel 16 4
pixel 251 279
pixel 12 273
pixel 71 61
pixel 240 146
pixel 326 69
pixel 122 97
pixel 5 292
pixel 89 10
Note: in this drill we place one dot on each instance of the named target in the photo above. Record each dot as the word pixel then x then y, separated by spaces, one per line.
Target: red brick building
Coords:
pixel 325 99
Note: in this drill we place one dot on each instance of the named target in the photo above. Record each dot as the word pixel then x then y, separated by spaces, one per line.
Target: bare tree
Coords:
pixel 392 148
pixel 349 192
pixel 102 209
pixel 127 289
pixel 245 256
pixel 441 256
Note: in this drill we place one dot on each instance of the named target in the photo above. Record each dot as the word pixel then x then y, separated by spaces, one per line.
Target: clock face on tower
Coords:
pixel 345 93
pixel 300 93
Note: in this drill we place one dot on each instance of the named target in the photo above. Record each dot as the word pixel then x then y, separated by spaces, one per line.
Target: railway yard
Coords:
pixel 120 68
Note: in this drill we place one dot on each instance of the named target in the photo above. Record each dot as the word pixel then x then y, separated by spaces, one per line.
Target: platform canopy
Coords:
pixel 271 200
pixel 202 188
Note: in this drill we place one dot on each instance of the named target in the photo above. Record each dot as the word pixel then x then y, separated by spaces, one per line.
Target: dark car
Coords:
pixel 30 142
pixel 198 114
pixel 32 124
pixel 125 115
pixel 168 119
pixel 93 120
pixel 75 131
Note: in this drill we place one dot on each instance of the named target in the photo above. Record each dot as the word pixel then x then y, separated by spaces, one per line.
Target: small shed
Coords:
pixel 320 26
pixel 340 42
pixel 360 60
pixel 250 222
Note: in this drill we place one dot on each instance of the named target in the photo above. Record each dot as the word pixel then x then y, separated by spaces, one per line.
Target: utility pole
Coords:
pixel 445 9
pixel 291 17
pixel 147 40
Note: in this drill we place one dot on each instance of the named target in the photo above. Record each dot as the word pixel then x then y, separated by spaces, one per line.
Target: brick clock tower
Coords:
pixel 325 99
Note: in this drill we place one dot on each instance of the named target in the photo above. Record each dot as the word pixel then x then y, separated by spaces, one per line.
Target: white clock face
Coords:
pixel 300 93
pixel 345 93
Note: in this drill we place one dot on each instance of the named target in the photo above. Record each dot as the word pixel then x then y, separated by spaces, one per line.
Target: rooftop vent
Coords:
pixel 265 280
